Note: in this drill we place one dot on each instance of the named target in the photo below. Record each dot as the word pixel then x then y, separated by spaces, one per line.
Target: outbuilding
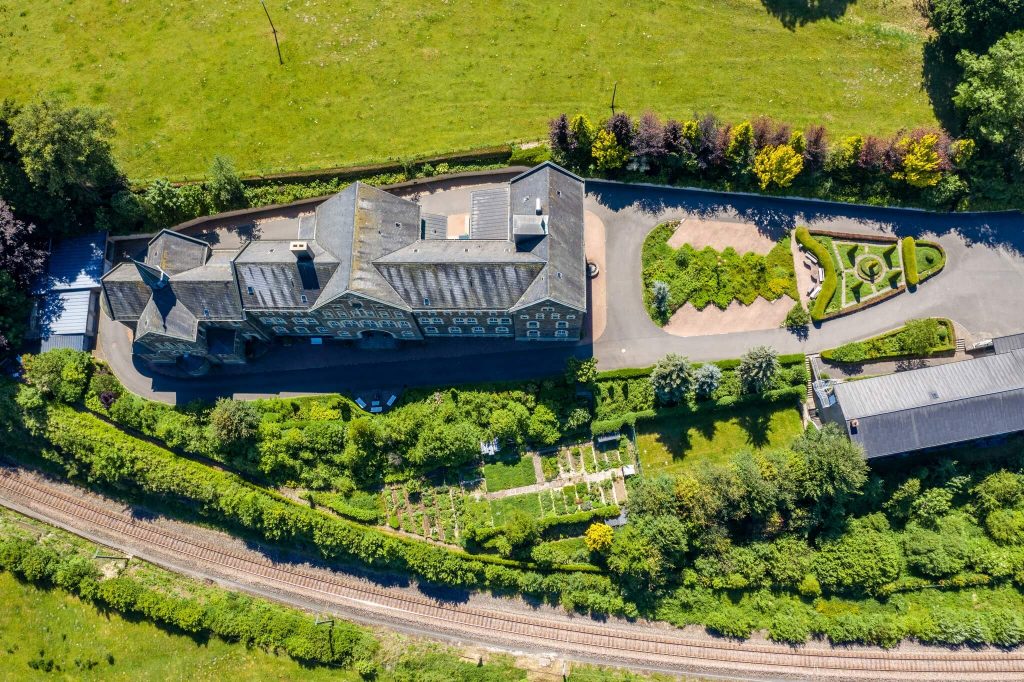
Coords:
pixel 67 296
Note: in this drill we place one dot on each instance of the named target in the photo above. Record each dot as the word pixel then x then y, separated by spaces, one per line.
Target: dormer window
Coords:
pixel 303 298
pixel 426 301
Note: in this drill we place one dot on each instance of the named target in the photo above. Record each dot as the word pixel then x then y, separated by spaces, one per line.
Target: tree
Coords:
pixel 520 528
pixel 445 444
pixel 974 24
pixel 659 295
pixel 225 186
pixel 778 165
pixel 991 94
pixel 599 537
pixel 672 379
pixel 758 367
pixel 581 132
pixel 608 153
pixel 922 165
pixel 919 336
pixel 65 150
pixel 15 305
pixel 649 144
pixel 163 203
pixel 510 423
pixel 543 428
pixel 815 147
pixel 621 126
pixel 561 140
pixel 635 560
pixel 706 380
pixel 579 371
pixel 19 257
pixel 797 317
pixel 866 557
pixel 62 374
pixel 234 423
pixel 832 470
pixel 740 152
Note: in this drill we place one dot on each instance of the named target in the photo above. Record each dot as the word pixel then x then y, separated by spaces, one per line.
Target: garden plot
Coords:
pixel 510 473
pixel 433 512
pixel 560 501
pixel 584 458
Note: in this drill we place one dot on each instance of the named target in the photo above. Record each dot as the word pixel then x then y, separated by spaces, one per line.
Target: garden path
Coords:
pixel 556 484
pixel 538 467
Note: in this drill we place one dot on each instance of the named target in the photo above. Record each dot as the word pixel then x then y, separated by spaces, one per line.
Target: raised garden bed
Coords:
pixel 892 346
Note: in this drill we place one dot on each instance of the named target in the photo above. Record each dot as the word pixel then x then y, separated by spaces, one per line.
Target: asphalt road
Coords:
pixel 981 287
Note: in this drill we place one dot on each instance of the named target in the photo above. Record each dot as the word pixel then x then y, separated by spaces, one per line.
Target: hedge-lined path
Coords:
pixel 506 623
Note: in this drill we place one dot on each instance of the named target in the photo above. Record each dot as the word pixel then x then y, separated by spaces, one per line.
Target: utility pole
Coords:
pixel 615 90
pixel 280 59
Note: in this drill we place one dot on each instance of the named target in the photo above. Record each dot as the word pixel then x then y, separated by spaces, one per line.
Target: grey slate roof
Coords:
pixel 165 315
pixel 1004 344
pixel 434 226
pixel 173 252
pixel 277 279
pixel 935 406
pixel 72 341
pixel 561 194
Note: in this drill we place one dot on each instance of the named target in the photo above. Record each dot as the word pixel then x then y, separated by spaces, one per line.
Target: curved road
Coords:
pixel 509 625
pixel 982 288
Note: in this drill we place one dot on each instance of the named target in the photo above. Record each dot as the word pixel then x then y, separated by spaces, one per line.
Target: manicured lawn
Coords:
pixel 51 626
pixel 500 509
pixel 676 444
pixel 509 474
pixel 365 80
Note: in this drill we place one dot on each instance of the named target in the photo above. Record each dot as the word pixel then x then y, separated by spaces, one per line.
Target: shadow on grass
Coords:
pixel 756 424
pixel 794 13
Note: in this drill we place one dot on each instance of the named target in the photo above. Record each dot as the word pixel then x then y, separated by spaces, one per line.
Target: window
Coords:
pixel 501 330
pixel 328 314
pixel 426 301
pixel 556 316
pixel 334 324
pixel 492 320
pixel 404 325
pixel 454 330
pixel 533 333
pixel 539 316
pixel 478 330
pixel 532 325
pixel 470 320
pixel 385 313
pixel 505 320
pixel 430 330
pixel 399 315
pixel 570 317
pixel 342 314
pixel 524 317
pixel 562 325
pixel 356 305
pixel 303 298
pixel 408 334
pixel 547 309
pixel 343 333
pixel 322 330
pixel 280 330
pixel 250 291
pixel 301 330
pixel 562 333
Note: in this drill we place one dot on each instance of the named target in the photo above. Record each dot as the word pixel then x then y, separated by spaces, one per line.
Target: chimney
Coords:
pixel 301 250
pixel 539 210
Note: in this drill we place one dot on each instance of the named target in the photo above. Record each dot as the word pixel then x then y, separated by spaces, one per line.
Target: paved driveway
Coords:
pixel 981 287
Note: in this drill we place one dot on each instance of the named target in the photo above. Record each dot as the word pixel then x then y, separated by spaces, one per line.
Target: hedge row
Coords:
pixel 909 250
pixel 101 454
pixel 828 286
pixel 935 270
pixel 950 345
pixel 779 395
pixel 339 506
pixel 554 523
pixel 732 363
pixel 232 617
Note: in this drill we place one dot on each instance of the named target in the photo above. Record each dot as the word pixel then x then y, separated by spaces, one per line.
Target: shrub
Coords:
pixel 865 558
pixel 706 380
pixel 62 373
pixel 797 317
pixel 778 165
pixel 758 367
pixel 226 189
pixel 831 281
pixel 234 422
pixel 599 537
pixel 909 251
pixel 672 379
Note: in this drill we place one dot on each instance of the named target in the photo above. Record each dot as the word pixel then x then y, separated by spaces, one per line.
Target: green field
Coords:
pixel 674 444
pixel 366 80
pixel 52 628
pixel 509 474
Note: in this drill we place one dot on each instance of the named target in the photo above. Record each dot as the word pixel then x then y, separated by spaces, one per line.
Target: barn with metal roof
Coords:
pixel 930 407
pixel 65 314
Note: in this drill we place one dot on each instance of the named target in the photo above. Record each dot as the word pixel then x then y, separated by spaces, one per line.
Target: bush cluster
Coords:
pixel 917 338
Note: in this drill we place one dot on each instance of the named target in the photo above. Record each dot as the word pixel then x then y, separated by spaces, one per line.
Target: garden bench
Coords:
pixel 814 292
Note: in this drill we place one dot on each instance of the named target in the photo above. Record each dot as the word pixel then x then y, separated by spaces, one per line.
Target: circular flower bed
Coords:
pixel 870 268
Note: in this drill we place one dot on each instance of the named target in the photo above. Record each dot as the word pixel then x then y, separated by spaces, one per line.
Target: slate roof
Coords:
pixel 174 253
pixel 1004 344
pixel 488 214
pixel 278 280
pixel 934 406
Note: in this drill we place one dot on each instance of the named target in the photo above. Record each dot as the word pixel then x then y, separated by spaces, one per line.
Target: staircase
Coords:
pixel 810 378
pixel 961 347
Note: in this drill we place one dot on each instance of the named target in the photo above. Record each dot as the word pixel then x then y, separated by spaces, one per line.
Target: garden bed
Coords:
pixel 509 473
pixel 893 345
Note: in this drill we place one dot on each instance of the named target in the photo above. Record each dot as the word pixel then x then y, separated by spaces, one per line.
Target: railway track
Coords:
pixel 635 645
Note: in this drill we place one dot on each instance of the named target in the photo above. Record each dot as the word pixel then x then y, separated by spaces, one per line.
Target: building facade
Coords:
pixel 368 262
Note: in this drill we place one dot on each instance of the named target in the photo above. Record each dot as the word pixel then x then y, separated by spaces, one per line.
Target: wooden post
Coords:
pixel 615 90
pixel 280 59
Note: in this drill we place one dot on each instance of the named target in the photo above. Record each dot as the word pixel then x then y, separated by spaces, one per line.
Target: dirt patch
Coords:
pixel 761 314
pixel 719 235
pixel 594 239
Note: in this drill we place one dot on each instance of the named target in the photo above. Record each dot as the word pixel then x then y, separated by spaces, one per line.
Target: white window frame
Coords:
pixel 501 330
pixel 430 330
pixel 454 330
pixel 479 330
pixel 562 332
pixel 562 325
pixel 533 334
pixel 533 325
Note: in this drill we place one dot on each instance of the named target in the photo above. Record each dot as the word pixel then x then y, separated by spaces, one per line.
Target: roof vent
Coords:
pixel 933 394
pixel 301 250
pixel 538 208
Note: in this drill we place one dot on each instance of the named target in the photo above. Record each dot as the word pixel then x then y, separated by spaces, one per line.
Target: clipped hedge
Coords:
pixel 828 286
pixel 627 373
pixel 908 248
pixel 553 523
pixel 937 268
pixel 874 348
pixel 103 455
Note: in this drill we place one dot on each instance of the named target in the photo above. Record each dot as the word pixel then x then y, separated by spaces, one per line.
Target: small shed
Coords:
pixel 65 313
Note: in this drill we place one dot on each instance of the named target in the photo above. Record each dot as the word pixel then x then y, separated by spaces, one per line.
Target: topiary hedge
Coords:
pixel 831 281
pixel 909 250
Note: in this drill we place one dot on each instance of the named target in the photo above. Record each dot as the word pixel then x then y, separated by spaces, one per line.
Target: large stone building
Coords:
pixel 368 263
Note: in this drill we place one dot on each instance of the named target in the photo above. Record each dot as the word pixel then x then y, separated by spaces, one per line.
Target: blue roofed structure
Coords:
pixel 65 314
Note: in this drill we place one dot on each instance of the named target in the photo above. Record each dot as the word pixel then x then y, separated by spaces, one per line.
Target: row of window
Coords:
pixel 532 333
pixel 536 325
pixel 325 330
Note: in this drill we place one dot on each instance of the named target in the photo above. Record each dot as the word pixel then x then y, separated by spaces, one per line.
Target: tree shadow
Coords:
pixel 939 75
pixel 756 425
pixel 794 13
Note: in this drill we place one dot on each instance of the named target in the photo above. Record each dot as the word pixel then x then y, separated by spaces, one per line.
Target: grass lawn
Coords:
pixel 674 444
pixel 505 475
pixel 366 80
pixel 529 503
pixel 39 625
